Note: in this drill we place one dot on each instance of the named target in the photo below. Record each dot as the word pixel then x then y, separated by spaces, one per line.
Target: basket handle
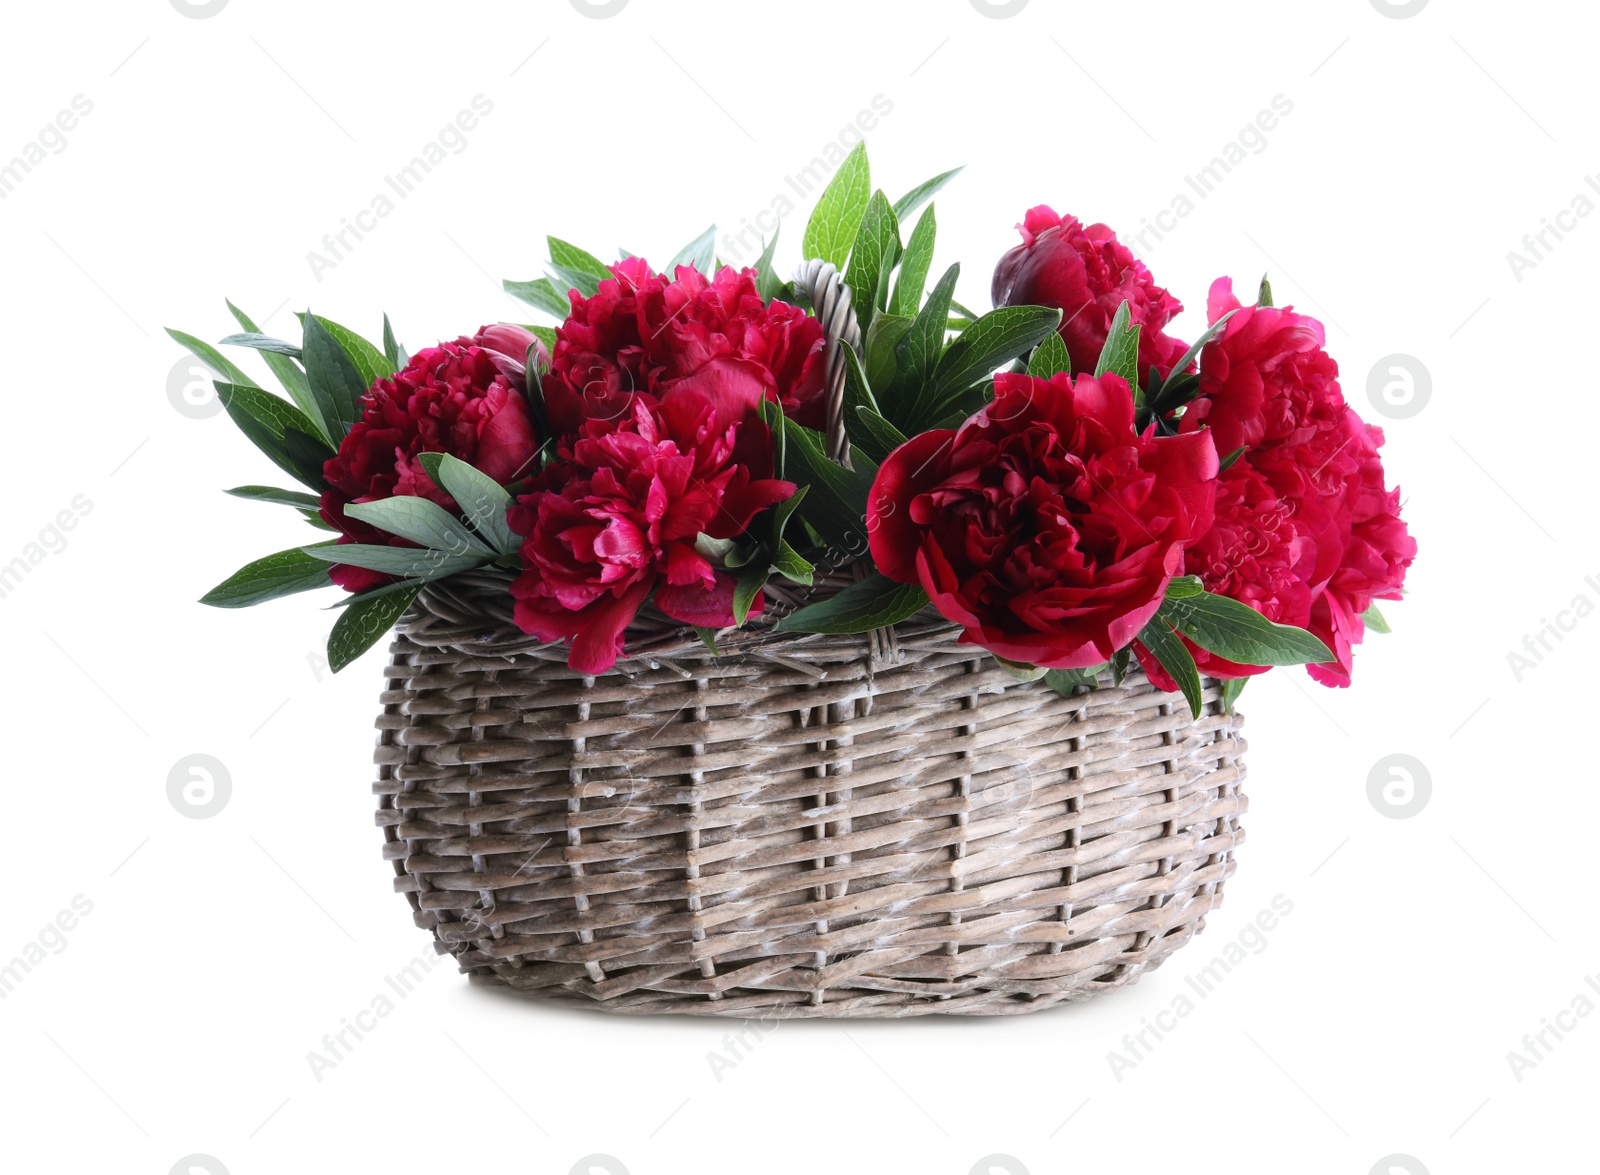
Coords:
pixel 831 303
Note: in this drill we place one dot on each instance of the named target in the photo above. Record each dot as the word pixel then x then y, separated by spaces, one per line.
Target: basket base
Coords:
pixel 980 997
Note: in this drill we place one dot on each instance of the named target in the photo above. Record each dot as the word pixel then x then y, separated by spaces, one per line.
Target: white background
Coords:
pixel 177 1018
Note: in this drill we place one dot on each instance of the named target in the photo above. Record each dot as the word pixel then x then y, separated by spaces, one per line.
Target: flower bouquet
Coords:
pixel 821 645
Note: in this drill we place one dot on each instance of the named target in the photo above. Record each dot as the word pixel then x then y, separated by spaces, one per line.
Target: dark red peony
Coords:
pixel 463 398
pixel 1045 524
pixel 615 517
pixel 1086 273
pixel 715 338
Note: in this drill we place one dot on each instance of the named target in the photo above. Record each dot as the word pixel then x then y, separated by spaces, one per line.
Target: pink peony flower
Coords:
pixel 1266 379
pixel 615 517
pixel 1322 513
pixel 716 338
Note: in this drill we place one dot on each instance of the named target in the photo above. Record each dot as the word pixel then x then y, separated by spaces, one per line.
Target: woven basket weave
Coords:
pixel 888 824
pixel 797 826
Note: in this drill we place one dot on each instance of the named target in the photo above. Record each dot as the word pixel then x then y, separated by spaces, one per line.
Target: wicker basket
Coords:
pixel 799 826
pixel 889 824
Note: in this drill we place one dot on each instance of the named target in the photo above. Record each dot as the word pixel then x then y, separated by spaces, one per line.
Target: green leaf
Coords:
pixel 768 283
pixel 882 338
pixel 481 498
pixel 565 280
pixel 1067 681
pixel 923 192
pixel 546 335
pixel 872 257
pixel 308 453
pixel 393 352
pixel 541 294
pixel 1222 466
pixel 280 497
pixel 1165 399
pixel 361 624
pixel 910 404
pixel 336 383
pixel 876 436
pixel 284 369
pixel 1050 358
pixel 717 550
pixel 746 590
pixel 996 338
pixel 1182 587
pixel 260 342
pixel 263 418
pixel 422 522
pixel 1175 658
pixel 792 565
pixel 919 351
pixel 914 266
pixel 874 602
pixel 699 253
pixel 1240 633
pixel 837 502
pixel 371 364
pixel 857 393
pixel 573 259
pixel 1120 355
pixel 1374 620
pixel 1152 384
pixel 832 227
pixel 418 563
pixel 771 413
pixel 212 358
pixel 708 637
pixel 1119 665
pixel 282 574
pixel 1264 295
pixel 1231 689
pixel 782 512
pixel 1021 670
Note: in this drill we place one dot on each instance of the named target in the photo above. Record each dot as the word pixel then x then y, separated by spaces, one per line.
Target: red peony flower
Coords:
pixel 463 398
pixel 1314 499
pixel 1254 553
pixel 617 514
pixel 1265 379
pixel 1086 273
pixel 1045 524
pixel 644 333
pixel 1374 546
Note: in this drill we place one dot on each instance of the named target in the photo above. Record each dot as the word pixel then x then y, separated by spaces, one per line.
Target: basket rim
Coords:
pixel 474 611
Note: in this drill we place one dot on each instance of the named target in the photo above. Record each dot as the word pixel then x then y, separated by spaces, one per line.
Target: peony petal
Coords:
pixel 686 566
pixel 733 387
pixel 914 467
pixel 597 643
pixel 1108 400
pixel 706 606
pixel 1220 300
pixel 506 442
pixel 1187 465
